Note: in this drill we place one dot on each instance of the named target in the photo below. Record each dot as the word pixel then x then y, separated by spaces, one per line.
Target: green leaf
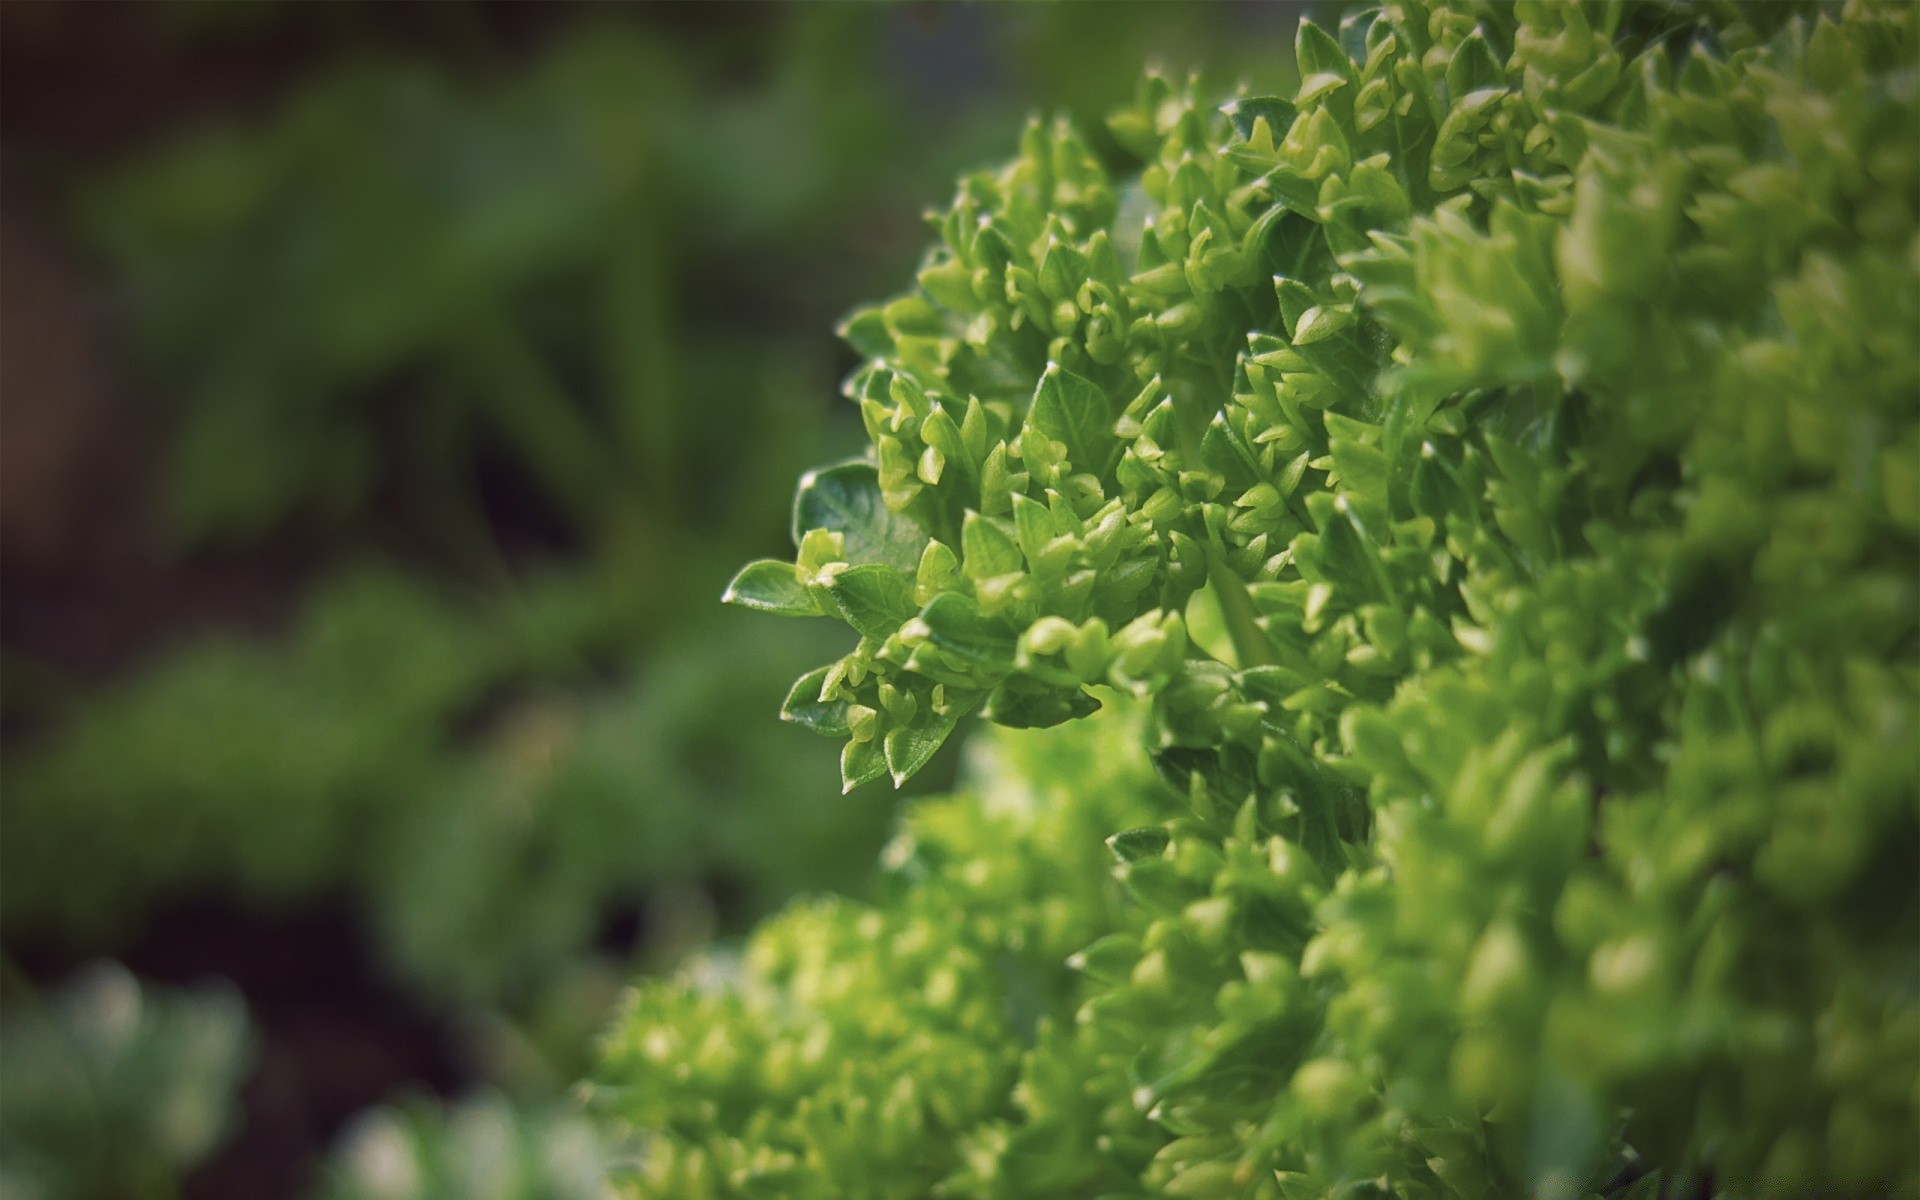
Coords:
pixel 772 586
pixel 1062 271
pixel 953 624
pixel 909 748
pixel 1132 845
pixel 989 547
pixel 1296 300
pixel 860 762
pixel 1108 960
pixel 1317 53
pixel 874 599
pixel 804 707
pixel 845 499
pixel 1472 67
pixel 1243 112
pixel 1295 192
pixel 1361 463
pixel 1075 412
pixel 866 331
pixel 1271 683
pixel 1020 704
pixel 1033 526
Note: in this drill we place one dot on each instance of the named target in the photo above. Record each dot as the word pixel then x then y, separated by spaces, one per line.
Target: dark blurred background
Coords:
pixel 387 392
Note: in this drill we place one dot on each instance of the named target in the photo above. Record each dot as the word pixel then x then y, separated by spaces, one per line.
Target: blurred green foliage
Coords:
pixel 488 843
pixel 484 1148
pixel 405 270
pixel 110 1090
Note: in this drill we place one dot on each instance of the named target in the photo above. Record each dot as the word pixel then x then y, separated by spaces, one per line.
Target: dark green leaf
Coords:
pixel 1133 845
pixel 1248 109
pixel 805 708
pixel 1473 67
pixel 1295 192
pixel 846 500
pixel 954 625
pixel 1024 705
pixel 875 600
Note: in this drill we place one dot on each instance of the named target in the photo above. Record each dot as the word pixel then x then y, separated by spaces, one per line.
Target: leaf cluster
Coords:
pixel 1531 396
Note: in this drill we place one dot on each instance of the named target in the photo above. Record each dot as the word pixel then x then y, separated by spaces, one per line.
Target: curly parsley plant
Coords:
pixel 1495 469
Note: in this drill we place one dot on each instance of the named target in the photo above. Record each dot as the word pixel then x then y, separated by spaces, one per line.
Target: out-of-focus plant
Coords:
pixel 405 274
pixel 483 1148
pixel 580 808
pixel 487 846
pixel 111 1089
pixel 1529 402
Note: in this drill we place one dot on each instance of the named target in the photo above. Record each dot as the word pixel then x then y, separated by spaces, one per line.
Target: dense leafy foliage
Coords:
pixel 1527 404
pixel 874 1046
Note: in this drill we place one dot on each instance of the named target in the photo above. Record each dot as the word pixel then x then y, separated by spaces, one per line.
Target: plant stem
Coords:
pixel 1250 644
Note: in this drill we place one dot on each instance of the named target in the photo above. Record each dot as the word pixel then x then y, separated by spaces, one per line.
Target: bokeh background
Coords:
pixel 387 392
